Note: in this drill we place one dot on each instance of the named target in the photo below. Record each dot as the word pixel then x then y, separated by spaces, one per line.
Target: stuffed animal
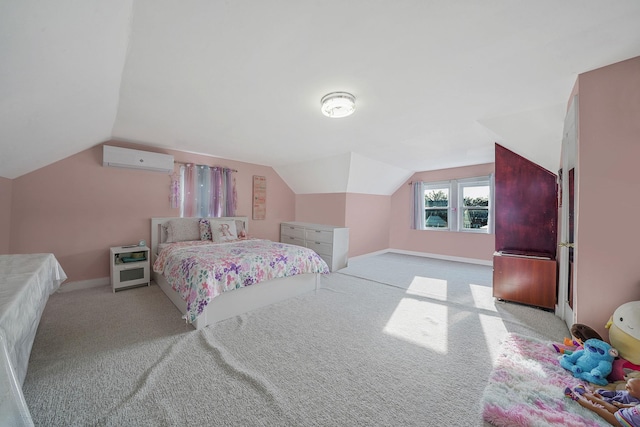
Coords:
pixel 582 333
pixel 567 347
pixel 621 368
pixel 579 334
pixel 621 384
pixel 593 363
pixel 624 331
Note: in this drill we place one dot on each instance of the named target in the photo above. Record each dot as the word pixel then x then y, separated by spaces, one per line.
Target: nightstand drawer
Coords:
pixel 131 275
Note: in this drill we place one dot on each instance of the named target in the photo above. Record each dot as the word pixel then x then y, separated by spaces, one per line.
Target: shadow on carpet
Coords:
pixel 526 388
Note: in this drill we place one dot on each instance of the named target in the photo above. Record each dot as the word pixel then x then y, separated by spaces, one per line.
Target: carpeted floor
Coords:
pixel 414 348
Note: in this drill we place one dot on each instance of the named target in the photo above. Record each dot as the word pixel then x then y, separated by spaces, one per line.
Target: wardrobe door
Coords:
pixel 526 212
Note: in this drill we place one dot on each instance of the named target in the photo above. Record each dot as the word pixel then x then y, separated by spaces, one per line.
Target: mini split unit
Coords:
pixel 117 157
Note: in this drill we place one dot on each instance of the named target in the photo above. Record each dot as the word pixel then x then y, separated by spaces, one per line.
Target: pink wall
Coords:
pixel 607 256
pixel 5 214
pixel 368 217
pixel 77 209
pixel 326 208
pixel 381 222
pixel 454 244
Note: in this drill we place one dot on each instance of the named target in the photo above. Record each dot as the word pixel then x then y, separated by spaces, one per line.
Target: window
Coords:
pixel 474 204
pixel 456 205
pixel 436 205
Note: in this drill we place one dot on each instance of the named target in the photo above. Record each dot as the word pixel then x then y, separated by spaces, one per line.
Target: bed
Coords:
pixel 182 251
pixel 26 281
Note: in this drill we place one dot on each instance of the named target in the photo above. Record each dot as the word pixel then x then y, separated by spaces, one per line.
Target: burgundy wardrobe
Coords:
pixel 526 214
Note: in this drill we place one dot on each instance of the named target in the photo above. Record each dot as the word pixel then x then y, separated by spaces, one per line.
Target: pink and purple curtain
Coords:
pixel 207 191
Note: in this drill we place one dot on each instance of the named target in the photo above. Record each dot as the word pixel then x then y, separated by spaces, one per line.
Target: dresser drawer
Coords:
pixel 291 240
pixel 319 236
pixel 320 248
pixel 292 231
pixel 330 242
pixel 328 259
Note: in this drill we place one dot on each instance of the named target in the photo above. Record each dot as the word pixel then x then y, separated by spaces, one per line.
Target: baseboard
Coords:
pixel 84 284
pixel 427 255
pixel 384 251
pixel 102 281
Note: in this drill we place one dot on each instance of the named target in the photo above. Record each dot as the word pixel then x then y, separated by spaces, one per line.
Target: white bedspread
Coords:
pixel 26 281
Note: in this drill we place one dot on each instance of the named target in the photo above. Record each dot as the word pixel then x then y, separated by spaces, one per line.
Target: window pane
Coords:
pixel 475 213
pixel 436 198
pixel 436 218
pixel 475 218
pixel 476 195
pixel 436 202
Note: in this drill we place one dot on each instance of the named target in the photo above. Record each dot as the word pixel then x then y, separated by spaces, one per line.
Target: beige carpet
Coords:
pixel 357 352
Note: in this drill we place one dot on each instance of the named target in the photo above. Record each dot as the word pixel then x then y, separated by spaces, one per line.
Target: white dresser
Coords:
pixel 328 241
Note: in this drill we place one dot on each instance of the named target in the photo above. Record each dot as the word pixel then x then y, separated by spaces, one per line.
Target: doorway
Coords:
pixel 565 308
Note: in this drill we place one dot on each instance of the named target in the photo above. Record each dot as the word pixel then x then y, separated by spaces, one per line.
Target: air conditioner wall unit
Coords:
pixel 136 159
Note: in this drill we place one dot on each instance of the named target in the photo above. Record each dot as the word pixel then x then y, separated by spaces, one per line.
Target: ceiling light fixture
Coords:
pixel 338 104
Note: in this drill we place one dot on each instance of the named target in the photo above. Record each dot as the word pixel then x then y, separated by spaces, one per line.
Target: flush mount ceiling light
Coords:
pixel 338 104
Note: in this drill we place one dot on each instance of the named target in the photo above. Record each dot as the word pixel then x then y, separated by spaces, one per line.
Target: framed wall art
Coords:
pixel 259 197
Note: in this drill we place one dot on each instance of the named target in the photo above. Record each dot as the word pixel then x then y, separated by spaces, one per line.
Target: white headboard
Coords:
pixel 158 236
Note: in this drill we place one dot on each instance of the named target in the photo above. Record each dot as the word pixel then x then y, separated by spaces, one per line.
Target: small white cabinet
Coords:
pixel 328 241
pixel 129 266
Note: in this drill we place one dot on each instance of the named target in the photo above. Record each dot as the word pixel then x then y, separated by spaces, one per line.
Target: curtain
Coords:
pixel 492 204
pixel 207 191
pixel 417 220
pixel 175 191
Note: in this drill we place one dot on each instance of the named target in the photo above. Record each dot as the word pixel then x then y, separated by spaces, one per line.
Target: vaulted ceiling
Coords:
pixel 437 82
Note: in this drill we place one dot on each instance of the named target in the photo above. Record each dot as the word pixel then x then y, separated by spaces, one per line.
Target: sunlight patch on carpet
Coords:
pixel 483 297
pixel 434 288
pixel 420 322
pixel 493 328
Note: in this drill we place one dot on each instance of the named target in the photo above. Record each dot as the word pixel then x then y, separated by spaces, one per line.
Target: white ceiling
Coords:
pixel 436 82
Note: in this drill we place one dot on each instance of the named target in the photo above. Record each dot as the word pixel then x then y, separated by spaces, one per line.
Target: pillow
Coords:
pixel 205 230
pixel 223 231
pixel 183 229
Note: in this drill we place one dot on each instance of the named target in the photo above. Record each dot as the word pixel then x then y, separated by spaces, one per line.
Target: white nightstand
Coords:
pixel 129 266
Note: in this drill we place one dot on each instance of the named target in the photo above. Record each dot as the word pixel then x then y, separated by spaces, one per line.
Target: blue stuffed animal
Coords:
pixel 593 363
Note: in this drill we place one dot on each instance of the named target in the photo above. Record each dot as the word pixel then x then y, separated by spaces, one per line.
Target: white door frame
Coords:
pixel 569 147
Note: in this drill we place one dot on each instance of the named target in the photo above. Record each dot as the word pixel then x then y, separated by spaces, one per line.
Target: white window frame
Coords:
pixel 474 182
pixel 456 207
pixel 430 186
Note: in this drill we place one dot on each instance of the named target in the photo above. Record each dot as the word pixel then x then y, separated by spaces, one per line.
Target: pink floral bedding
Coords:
pixel 201 270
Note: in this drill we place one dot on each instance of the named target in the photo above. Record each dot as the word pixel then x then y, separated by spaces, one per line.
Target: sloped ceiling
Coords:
pixel 436 82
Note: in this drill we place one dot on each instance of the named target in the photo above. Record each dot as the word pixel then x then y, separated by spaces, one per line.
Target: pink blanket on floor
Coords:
pixel 526 388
